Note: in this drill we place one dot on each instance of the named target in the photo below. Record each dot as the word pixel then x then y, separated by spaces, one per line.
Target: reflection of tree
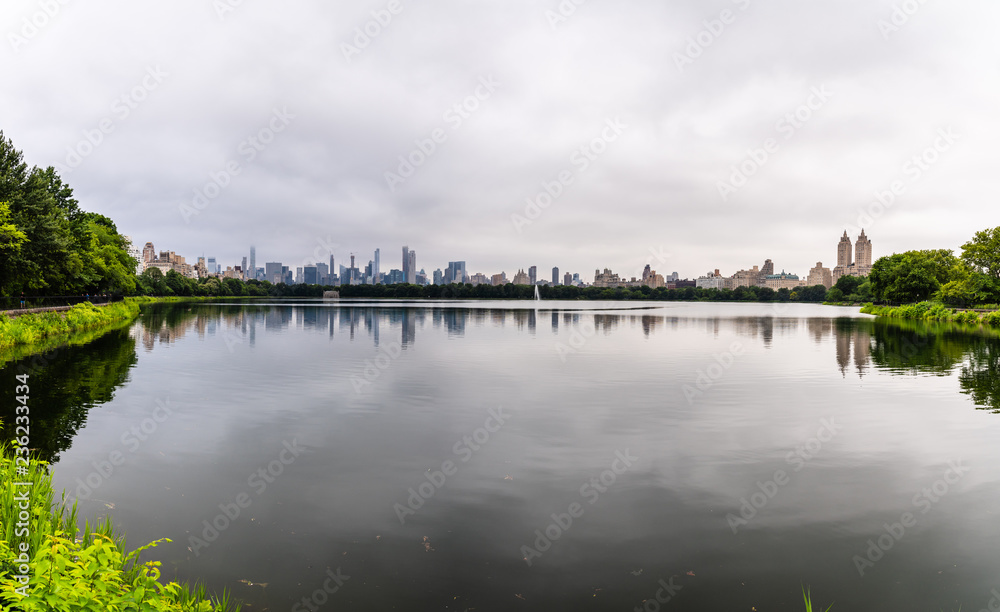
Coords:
pixel 917 347
pixel 980 376
pixel 71 381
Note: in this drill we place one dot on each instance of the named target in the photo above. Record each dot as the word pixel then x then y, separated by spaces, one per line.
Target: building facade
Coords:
pixel 820 276
pixel 862 264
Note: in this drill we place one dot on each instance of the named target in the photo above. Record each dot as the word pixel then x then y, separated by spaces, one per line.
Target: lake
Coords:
pixel 538 456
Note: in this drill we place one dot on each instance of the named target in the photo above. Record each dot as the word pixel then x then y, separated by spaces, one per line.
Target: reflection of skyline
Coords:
pixel 858 343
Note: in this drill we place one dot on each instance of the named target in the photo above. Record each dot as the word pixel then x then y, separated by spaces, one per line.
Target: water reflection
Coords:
pixel 64 385
pixel 899 347
pixel 240 391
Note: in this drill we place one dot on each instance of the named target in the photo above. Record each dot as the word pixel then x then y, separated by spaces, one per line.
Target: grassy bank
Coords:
pixel 36 328
pixel 67 568
pixel 930 311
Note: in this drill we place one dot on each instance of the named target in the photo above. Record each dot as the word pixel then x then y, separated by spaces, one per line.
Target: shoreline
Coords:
pixel 933 312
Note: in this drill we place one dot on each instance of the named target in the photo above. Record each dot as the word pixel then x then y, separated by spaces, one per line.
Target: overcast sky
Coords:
pixel 643 107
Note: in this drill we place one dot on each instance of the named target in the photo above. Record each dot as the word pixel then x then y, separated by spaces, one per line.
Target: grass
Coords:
pixel 31 329
pixel 76 569
pixel 807 597
pixel 931 311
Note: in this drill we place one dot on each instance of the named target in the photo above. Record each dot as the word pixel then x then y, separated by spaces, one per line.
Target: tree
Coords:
pixel 912 276
pixel 982 253
pixel 47 244
pixel 11 238
pixel 848 284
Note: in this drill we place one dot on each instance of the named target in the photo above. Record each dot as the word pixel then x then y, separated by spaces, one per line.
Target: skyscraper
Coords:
pixel 310 275
pixel 555 276
pixel 406 264
pixel 455 272
pixel 844 251
pixel 568 279
pixel 272 272
pixel 863 251
pixel 253 262
pixel 148 254
pixel 376 268
pixel 532 275
pixel 244 269
pixel 213 268
pixel 412 268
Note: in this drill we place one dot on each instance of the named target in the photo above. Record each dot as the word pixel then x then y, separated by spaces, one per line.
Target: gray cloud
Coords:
pixel 655 188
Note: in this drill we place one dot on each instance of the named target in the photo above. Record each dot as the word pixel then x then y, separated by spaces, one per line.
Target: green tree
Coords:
pixel 11 238
pixel 47 244
pixel 848 284
pixel 982 253
pixel 912 276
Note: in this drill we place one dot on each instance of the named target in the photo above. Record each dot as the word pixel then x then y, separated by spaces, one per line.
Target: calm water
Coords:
pixel 731 452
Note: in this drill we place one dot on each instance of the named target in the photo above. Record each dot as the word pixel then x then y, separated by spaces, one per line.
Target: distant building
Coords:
pixel 712 280
pixel 272 272
pixel 820 276
pixel 396 277
pixel 310 275
pixel 532 275
pixel 478 279
pixel 748 278
pixel 135 253
pixel 148 254
pixel 438 277
pixel 651 279
pixel 167 261
pixel 409 265
pixel 782 281
pixel 455 272
pixel 567 279
pixel 521 278
pixel 606 279
pixel 499 279
pixel 555 276
pixel 862 264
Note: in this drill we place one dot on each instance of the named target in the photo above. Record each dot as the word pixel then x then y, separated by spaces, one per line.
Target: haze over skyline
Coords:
pixel 632 114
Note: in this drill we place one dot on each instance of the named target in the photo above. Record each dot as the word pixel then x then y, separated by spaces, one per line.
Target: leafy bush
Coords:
pixel 76 571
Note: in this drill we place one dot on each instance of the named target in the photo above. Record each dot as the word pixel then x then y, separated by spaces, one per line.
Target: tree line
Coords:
pixel 969 279
pixel 48 245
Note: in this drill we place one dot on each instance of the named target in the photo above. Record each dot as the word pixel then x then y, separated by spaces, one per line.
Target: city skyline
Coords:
pixel 666 131
pixel 852 259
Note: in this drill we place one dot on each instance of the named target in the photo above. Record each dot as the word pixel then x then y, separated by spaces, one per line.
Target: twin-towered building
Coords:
pixel 858 265
pixel 862 264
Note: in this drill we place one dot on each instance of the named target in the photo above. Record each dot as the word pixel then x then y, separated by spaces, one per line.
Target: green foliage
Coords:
pixel 982 253
pixel 11 238
pixel 560 292
pixel 932 311
pixel 848 284
pixel 33 328
pixel 77 570
pixel 807 597
pixel 48 246
pixel 912 276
